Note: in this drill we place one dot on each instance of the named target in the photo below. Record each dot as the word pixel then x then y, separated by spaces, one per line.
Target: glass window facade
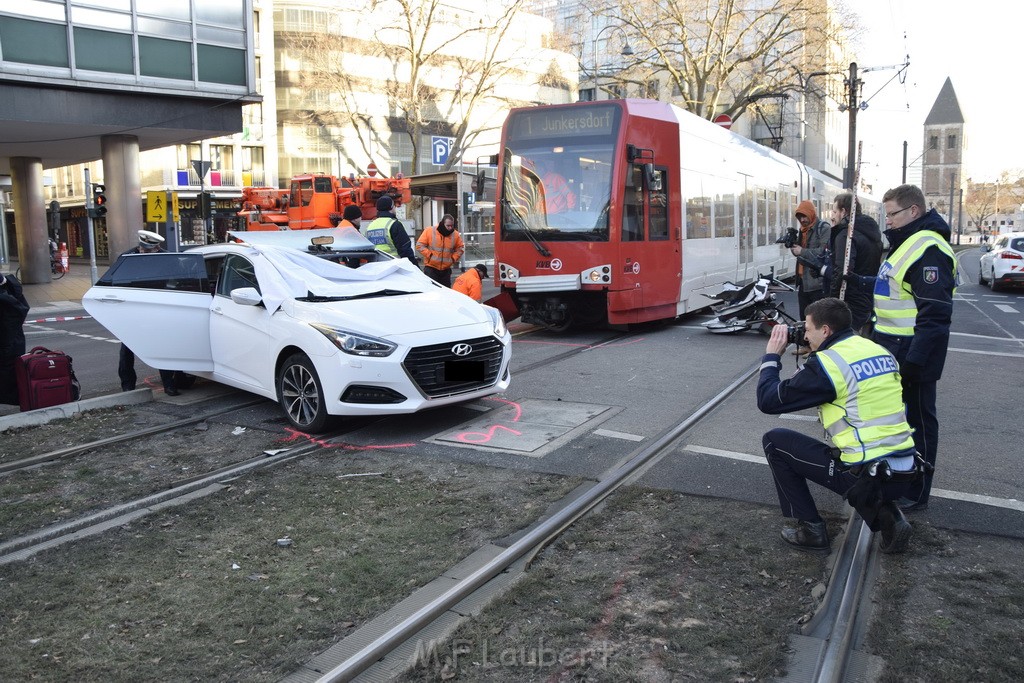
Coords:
pixel 176 45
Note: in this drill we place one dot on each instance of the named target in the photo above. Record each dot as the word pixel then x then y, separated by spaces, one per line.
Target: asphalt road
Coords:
pixel 581 406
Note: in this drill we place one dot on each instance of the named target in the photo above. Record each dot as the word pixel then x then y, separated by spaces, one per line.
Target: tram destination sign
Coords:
pixel 600 120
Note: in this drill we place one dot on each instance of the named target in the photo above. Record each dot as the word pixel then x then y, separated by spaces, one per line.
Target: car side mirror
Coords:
pixel 246 296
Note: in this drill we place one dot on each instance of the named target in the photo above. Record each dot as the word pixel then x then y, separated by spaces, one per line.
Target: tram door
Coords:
pixel 745 220
pixel 651 265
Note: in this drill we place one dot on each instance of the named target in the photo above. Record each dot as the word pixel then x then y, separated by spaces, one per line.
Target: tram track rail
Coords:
pixel 71 451
pixel 181 491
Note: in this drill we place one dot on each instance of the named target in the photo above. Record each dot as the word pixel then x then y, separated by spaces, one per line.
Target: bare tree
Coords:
pixel 985 200
pixel 719 56
pixel 430 84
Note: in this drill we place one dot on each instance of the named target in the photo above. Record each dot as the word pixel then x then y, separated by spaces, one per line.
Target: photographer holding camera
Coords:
pixel 810 254
pixel 855 384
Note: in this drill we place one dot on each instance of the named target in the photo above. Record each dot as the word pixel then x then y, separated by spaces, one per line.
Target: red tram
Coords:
pixel 625 211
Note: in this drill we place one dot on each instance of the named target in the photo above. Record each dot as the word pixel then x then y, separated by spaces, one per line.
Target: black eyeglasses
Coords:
pixel 896 213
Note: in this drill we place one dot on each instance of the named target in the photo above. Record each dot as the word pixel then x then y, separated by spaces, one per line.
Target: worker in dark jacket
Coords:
pixel 865 257
pixel 855 385
pixel 387 232
pixel 13 311
pixel 172 380
pixel 913 295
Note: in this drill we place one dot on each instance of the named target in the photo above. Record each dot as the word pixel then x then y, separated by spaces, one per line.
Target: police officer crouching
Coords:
pixel 855 384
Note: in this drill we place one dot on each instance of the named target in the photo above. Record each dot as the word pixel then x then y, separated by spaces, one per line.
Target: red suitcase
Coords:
pixel 45 378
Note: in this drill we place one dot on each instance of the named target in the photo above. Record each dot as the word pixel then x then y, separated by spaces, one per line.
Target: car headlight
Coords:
pixel 497 320
pixel 356 344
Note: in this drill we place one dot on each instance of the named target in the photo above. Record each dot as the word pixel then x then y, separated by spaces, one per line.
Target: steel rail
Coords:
pixel 110 440
pixel 538 537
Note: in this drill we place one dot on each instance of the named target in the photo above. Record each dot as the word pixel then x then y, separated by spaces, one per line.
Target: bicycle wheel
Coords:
pixel 59 271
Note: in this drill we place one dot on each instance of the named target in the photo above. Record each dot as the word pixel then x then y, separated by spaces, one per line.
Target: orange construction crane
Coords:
pixel 315 200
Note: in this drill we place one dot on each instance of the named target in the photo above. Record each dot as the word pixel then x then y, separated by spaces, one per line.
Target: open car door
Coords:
pixel 158 305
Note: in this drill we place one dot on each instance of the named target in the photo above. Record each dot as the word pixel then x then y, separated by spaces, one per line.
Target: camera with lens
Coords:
pixel 795 334
pixel 789 239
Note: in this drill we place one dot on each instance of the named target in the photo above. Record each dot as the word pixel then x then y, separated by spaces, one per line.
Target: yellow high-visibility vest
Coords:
pixel 895 306
pixel 867 420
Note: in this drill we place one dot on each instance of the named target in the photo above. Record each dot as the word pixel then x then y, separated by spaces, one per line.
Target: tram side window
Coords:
pixel 633 207
pixel 774 225
pixel 762 217
pixel 659 209
pixel 725 215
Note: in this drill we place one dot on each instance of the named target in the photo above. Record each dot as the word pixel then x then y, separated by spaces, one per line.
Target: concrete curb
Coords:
pixel 34 418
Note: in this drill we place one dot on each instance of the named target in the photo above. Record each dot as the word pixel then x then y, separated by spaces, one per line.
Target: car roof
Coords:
pixel 338 239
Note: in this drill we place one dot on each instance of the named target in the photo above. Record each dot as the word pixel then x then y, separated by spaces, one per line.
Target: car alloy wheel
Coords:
pixel 301 395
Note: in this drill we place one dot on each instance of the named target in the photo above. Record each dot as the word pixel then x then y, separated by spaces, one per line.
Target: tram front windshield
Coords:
pixel 557 175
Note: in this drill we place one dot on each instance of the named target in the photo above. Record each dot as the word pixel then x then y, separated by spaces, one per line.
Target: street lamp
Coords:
pixel 626 50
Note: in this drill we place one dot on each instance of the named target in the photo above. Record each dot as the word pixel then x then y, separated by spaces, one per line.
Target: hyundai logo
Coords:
pixel 462 349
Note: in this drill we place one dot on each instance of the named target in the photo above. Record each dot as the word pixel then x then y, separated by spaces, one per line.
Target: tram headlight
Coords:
pixel 507 272
pixel 599 275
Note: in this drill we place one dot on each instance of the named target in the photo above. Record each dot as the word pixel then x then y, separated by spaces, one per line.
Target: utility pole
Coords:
pixel 904 180
pixel 853 85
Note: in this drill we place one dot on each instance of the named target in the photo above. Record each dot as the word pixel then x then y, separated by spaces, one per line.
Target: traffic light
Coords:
pixel 206 203
pixel 99 201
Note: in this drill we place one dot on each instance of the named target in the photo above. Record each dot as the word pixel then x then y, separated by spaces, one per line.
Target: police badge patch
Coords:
pixel 931 275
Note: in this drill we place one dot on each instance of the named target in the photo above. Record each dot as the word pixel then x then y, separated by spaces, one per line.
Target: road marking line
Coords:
pixel 618 435
pixel 1008 503
pixel 1006 308
pixel 987 336
pixel 726 454
pixel 989 353
pixel 991 501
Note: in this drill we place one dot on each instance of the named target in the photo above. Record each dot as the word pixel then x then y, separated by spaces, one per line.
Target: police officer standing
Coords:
pixel 855 385
pixel 149 243
pixel 387 232
pixel 913 310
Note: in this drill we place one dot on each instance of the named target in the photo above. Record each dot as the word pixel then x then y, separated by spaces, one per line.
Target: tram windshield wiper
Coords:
pixel 541 249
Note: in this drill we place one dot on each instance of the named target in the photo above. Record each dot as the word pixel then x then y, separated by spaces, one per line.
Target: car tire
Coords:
pixel 981 276
pixel 992 282
pixel 301 395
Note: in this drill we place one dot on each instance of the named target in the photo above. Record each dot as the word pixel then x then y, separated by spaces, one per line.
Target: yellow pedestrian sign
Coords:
pixel 156 206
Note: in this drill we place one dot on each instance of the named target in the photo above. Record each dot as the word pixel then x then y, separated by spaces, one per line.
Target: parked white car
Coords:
pixel 1002 262
pixel 316 319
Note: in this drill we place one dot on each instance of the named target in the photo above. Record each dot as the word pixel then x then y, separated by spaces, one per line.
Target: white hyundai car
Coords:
pixel 1002 263
pixel 315 319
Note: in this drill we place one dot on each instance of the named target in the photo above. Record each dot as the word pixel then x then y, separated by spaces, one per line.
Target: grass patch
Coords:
pixel 656 586
pixel 204 592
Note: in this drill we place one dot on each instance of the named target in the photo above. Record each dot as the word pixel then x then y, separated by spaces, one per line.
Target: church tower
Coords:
pixel 944 147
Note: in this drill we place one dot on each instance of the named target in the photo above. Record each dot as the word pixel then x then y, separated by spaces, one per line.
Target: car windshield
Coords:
pixel 556 171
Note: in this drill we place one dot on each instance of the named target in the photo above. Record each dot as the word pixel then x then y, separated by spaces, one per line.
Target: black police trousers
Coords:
pixel 796 459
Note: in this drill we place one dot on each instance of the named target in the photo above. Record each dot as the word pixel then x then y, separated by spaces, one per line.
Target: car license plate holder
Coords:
pixel 464 371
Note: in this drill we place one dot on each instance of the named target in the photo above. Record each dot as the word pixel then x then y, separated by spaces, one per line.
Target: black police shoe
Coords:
pixel 911 505
pixel 895 529
pixel 171 391
pixel 807 535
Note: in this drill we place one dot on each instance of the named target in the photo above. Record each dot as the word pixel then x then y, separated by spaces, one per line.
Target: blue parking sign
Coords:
pixel 440 148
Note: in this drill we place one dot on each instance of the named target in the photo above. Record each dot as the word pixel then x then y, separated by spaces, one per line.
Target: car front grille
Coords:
pixel 426 365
